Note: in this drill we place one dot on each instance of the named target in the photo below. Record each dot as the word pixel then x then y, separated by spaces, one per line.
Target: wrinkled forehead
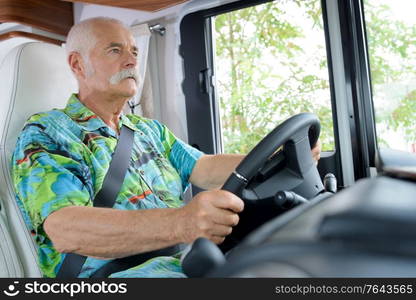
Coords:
pixel 107 33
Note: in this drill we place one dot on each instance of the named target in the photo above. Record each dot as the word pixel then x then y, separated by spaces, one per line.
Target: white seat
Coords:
pixel 34 77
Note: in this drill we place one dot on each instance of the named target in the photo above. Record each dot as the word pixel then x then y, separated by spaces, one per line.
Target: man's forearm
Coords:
pixel 211 171
pixel 112 233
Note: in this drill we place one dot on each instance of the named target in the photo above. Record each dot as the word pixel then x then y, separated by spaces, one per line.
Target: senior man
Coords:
pixel 62 157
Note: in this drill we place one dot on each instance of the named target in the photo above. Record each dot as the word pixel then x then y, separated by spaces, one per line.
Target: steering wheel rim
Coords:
pixel 299 129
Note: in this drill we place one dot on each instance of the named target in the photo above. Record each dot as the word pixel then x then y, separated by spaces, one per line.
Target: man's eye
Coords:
pixel 136 54
pixel 115 50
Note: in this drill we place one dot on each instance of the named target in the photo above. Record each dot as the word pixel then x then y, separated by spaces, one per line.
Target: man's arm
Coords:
pixel 211 171
pixel 110 233
pixel 113 233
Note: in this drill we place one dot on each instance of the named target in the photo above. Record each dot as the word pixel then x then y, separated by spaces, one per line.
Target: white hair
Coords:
pixel 81 38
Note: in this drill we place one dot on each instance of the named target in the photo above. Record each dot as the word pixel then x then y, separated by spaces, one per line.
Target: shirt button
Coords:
pixel 141 172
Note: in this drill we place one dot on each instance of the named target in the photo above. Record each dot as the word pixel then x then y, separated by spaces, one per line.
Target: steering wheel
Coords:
pixel 280 161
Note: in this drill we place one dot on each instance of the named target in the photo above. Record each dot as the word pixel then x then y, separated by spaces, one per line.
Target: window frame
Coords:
pixel 363 129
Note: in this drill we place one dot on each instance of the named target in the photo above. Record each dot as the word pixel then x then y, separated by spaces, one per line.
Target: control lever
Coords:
pixel 330 183
pixel 288 199
pixel 203 257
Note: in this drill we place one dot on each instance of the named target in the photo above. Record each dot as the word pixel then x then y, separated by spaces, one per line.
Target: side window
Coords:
pixel 391 35
pixel 270 63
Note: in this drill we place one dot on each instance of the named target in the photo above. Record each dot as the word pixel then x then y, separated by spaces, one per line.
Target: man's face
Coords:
pixel 112 62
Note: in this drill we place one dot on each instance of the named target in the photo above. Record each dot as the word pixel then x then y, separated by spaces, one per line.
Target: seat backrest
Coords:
pixel 34 77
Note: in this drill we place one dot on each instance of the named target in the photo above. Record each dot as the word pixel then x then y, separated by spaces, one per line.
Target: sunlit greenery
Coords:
pixel 392 51
pixel 266 74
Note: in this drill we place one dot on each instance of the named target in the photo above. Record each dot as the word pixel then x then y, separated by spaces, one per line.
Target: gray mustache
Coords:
pixel 126 73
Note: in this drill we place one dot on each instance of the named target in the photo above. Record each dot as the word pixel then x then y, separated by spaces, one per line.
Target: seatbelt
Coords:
pixel 117 170
pixel 72 264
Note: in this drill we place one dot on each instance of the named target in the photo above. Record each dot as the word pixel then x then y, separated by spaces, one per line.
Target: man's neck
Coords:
pixel 108 108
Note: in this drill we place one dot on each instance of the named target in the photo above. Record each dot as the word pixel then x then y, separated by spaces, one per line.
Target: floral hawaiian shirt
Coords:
pixel 61 159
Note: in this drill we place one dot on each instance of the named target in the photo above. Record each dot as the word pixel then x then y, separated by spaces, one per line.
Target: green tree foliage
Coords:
pixel 392 51
pixel 266 74
pixel 404 116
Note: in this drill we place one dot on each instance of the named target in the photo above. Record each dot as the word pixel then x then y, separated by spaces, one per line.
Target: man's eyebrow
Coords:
pixel 114 45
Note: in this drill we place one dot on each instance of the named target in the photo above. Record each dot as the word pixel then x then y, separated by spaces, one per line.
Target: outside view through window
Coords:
pixel 391 34
pixel 270 64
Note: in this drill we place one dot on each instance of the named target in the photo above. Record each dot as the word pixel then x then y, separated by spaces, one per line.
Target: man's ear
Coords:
pixel 76 63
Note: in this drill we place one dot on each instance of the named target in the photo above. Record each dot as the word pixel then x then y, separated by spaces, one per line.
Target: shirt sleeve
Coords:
pixel 46 177
pixel 181 155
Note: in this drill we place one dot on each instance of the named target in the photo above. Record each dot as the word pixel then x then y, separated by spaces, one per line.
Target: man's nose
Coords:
pixel 131 60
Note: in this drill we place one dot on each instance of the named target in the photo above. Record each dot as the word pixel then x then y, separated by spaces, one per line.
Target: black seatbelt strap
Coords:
pixel 72 264
pixel 117 170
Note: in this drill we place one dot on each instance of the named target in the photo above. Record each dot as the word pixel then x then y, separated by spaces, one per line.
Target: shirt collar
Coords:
pixel 87 119
pixel 126 121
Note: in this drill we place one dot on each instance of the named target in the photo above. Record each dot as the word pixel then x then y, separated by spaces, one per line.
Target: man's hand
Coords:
pixel 210 214
pixel 316 151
